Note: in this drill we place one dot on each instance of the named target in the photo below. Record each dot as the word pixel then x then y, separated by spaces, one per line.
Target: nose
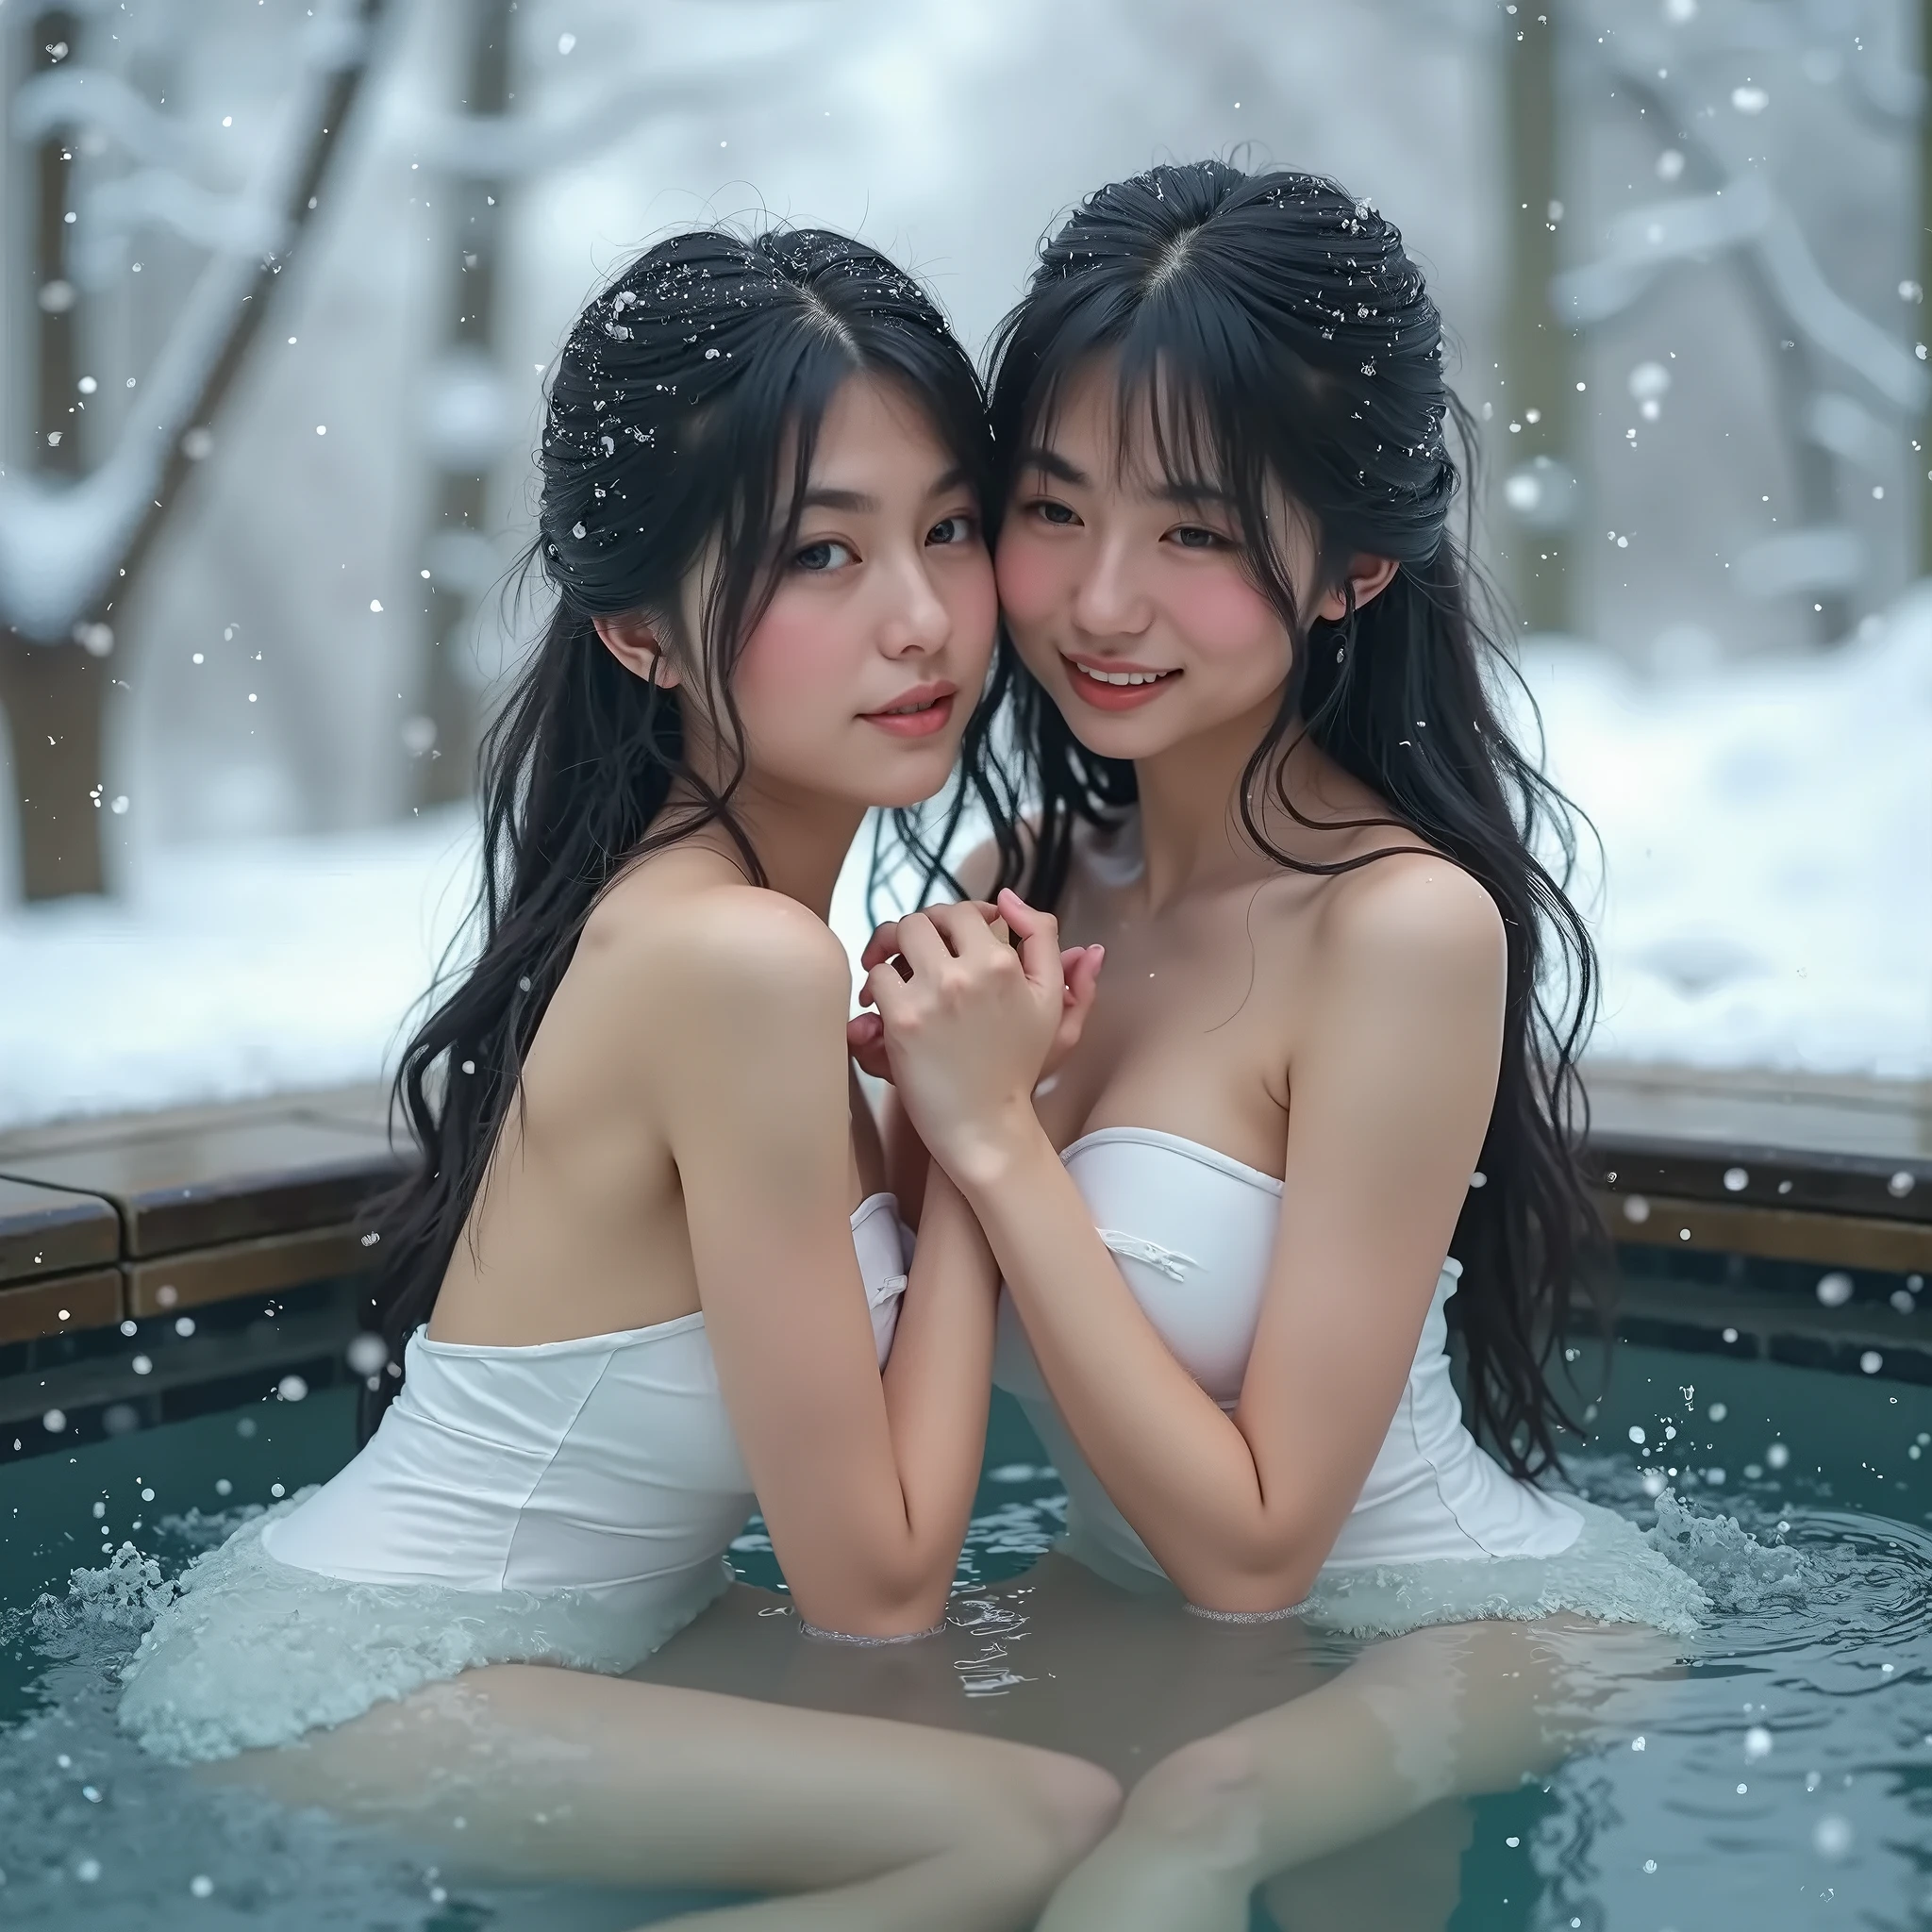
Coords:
pixel 1107 600
pixel 916 621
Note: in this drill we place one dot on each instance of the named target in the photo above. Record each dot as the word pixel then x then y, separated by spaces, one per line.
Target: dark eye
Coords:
pixel 954 529
pixel 1196 537
pixel 1057 514
pixel 825 555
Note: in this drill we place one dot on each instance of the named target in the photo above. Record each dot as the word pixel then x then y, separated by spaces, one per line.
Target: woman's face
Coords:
pixel 1125 592
pixel 858 681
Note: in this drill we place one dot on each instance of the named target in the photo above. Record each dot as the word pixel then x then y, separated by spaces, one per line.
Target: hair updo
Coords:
pixel 684 412
pixel 1272 334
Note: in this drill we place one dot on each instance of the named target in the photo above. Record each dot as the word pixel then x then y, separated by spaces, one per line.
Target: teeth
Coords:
pixel 1120 676
pixel 911 710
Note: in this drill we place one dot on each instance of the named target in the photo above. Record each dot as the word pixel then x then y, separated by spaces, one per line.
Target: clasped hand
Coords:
pixel 966 1024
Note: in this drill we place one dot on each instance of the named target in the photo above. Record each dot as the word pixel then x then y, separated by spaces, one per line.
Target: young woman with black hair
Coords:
pixel 648 1265
pixel 1323 1087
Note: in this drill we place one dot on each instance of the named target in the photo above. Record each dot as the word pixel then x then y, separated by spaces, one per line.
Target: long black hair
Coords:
pixel 684 413
pixel 1273 334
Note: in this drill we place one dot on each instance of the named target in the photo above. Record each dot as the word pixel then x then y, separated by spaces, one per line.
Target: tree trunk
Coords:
pixel 446 758
pixel 54 690
pixel 58 424
pixel 1537 372
pixel 1921 447
pixel 53 696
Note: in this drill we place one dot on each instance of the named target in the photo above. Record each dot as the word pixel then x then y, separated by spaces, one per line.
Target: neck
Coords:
pixel 800 837
pixel 1190 808
pixel 1192 836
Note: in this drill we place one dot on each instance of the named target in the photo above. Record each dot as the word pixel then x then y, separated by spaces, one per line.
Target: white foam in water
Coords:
pixel 243 1652
pixel 96 1832
pixel 1740 1574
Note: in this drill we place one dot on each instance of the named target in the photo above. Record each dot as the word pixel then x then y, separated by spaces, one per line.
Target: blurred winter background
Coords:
pixel 281 282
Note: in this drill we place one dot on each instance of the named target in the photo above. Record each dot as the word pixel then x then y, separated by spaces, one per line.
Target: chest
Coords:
pixel 1190 1029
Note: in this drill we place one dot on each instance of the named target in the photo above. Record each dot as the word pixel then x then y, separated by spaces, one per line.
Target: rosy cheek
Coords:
pixel 972 604
pixel 1031 578
pixel 1226 618
pixel 793 653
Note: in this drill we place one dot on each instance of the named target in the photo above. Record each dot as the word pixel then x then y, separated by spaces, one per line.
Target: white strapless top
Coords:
pixel 1193 1232
pixel 606 1465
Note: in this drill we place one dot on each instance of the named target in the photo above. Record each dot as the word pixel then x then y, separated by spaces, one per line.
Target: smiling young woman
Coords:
pixel 1325 1086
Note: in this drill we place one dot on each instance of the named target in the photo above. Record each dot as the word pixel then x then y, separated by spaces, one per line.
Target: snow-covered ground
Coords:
pixel 1766 901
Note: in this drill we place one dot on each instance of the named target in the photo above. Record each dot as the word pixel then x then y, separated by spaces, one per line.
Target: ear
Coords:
pixel 636 643
pixel 1368 577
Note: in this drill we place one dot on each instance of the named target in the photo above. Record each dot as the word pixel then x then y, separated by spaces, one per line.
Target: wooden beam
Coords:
pixel 34 1310
pixel 1776 1234
pixel 237 1269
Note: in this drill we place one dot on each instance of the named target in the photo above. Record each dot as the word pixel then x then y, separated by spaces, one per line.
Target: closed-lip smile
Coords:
pixel 918 712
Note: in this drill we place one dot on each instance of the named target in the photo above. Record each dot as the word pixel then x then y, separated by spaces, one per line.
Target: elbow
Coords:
pixel 1227 1594
pixel 1259 1576
pixel 874 1601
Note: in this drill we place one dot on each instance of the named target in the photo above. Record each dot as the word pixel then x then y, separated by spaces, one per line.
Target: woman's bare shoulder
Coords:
pixel 700 942
pixel 1414 918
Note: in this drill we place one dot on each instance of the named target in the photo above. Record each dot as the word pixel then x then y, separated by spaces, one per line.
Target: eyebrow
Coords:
pixel 856 503
pixel 1193 489
pixel 1056 466
pixel 1185 489
pixel 853 502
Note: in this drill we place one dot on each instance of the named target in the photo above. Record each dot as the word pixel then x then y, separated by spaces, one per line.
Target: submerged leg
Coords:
pixel 1404 1880
pixel 526 1771
pixel 1438 1713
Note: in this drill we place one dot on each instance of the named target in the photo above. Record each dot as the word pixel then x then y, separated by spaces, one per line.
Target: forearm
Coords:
pixel 938 1381
pixel 1178 1468
pixel 906 1160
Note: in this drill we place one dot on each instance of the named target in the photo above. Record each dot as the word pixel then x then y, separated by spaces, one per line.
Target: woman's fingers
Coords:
pixel 1083 979
pixel 1039 934
pixel 971 927
pixel 865 1040
pixel 883 944
pixel 921 946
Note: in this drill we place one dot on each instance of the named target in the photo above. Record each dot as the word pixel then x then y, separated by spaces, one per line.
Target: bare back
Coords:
pixel 580 1227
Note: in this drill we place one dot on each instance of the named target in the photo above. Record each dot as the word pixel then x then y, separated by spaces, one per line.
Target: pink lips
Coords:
pixel 918 714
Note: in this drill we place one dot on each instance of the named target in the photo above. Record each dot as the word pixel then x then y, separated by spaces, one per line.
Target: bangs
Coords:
pixel 1205 410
